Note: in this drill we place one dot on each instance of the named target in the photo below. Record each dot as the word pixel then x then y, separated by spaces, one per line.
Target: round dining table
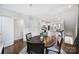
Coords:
pixel 48 42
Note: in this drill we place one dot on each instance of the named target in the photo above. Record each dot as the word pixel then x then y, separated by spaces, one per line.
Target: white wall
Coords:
pixel 7 29
pixel 35 26
pixel 31 24
pixel 71 20
pixel 70 17
pixel 17 23
pixel 18 29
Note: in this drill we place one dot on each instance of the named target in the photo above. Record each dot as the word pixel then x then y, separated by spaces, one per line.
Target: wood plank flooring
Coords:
pixel 16 48
pixel 19 44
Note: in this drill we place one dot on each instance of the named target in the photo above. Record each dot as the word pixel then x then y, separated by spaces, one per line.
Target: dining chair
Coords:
pixel 35 48
pixel 56 49
pixel 2 51
pixel 28 36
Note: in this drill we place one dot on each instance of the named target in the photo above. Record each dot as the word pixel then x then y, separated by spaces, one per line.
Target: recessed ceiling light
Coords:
pixel 56 16
pixel 70 6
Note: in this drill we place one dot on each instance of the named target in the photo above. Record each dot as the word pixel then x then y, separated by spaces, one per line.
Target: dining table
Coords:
pixel 48 41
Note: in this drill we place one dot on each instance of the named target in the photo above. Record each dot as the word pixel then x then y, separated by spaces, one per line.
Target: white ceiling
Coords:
pixel 38 10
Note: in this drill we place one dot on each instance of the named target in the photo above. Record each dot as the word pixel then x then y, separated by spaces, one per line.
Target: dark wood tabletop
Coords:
pixel 36 39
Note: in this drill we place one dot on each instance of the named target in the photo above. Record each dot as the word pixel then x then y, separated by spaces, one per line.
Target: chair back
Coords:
pixel 35 48
pixel 60 44
pixel 28 36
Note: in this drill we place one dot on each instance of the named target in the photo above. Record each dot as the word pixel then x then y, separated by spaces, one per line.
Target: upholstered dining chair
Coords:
pixel 56 49
pixel 28 36
pixel 35 48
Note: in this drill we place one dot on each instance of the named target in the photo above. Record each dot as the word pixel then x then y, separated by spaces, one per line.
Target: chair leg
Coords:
pixel 59 52
pixel 3 50
pixel 28 52
pixel 46 51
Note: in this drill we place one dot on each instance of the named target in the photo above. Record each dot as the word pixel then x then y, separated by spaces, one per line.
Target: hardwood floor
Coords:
pixel 69 49
pixel 9 50
pixel 19 44
pixel 16 48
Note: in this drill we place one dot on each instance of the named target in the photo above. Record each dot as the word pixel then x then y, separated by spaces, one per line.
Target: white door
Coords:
pixel 7 30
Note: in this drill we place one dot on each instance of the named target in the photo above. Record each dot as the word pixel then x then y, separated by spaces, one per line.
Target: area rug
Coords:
pixel 24 51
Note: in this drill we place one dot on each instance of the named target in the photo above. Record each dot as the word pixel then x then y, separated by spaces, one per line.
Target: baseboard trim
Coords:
pixel 18 40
